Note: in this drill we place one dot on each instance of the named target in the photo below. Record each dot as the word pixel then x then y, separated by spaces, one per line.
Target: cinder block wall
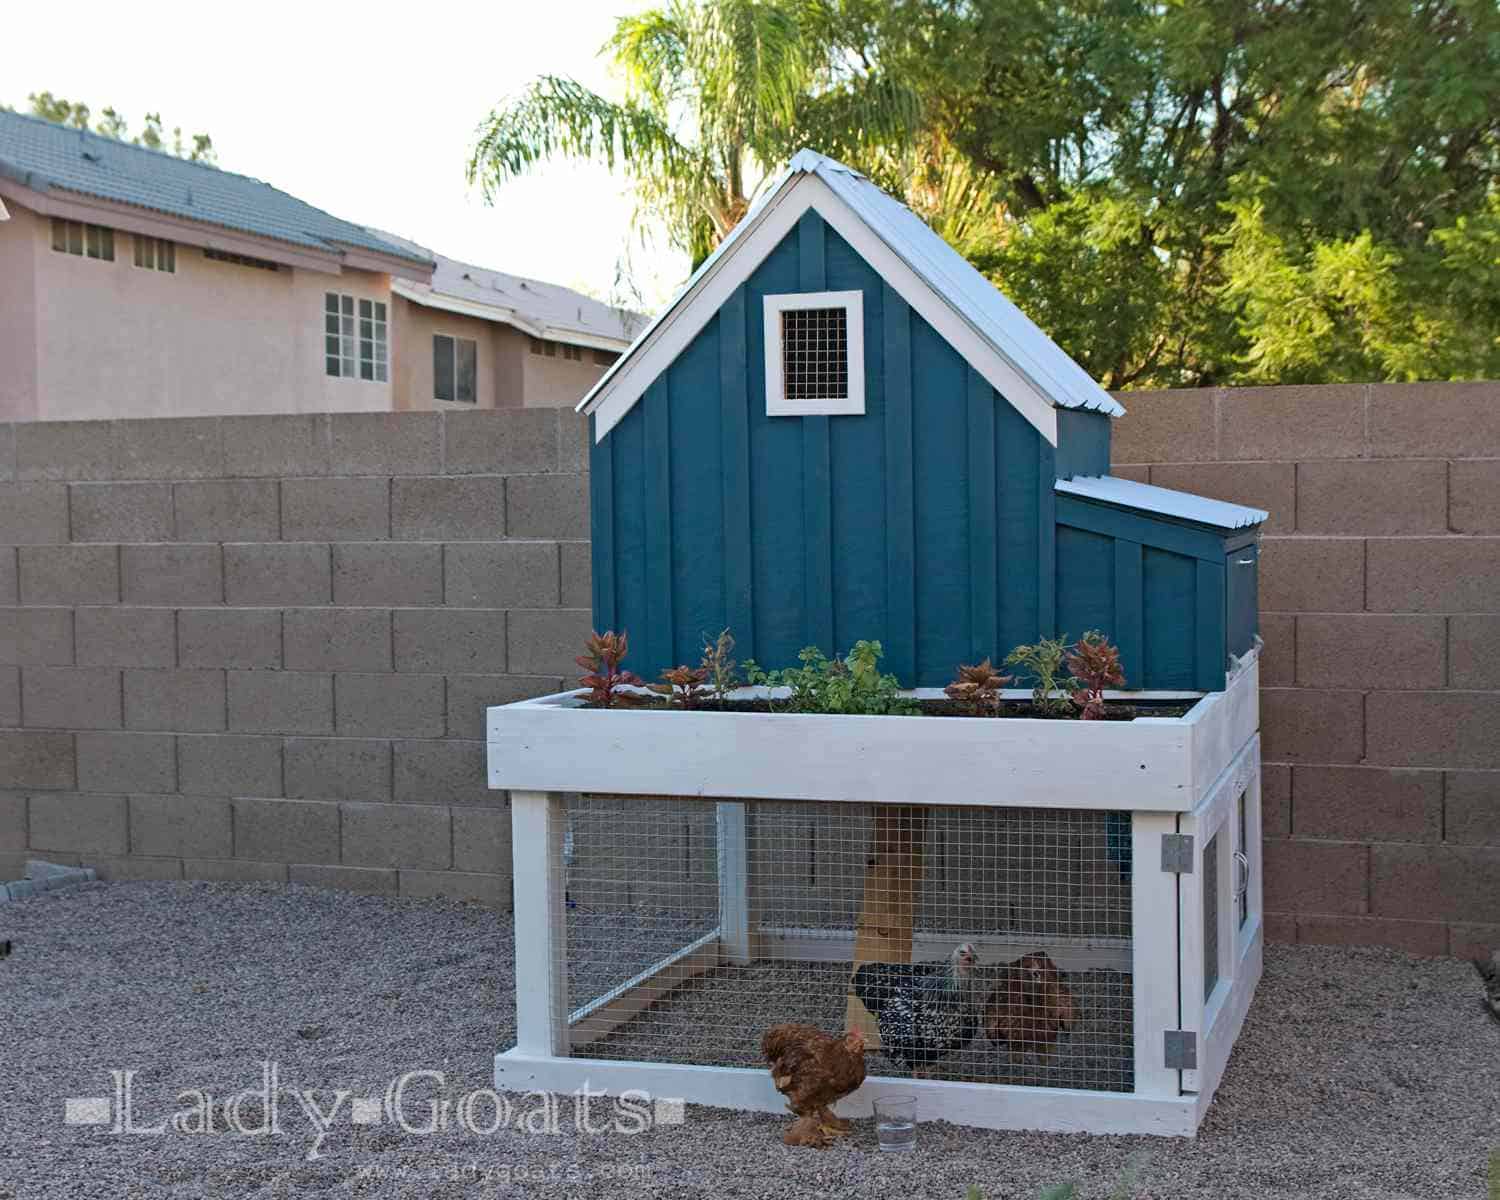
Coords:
pixel 1380 607
pixel 261 647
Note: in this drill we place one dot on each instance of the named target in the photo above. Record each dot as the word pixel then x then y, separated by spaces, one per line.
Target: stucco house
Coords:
pixel 134 283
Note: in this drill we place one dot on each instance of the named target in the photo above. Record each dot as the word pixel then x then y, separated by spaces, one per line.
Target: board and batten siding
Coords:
pixel 926 522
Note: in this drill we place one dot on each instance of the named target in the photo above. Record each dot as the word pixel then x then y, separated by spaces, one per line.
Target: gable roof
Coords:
pixel 1146 497
pixel 997 338
pixel 45 157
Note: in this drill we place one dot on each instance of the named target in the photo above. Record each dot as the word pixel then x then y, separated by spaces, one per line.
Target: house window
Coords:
pixel 543 347
pixel 604 358
pixel 156 254
pixel 243 260
pixel 573 353
pixel 354 337
pixel 815 360
pixel 453 368
pixel 89 241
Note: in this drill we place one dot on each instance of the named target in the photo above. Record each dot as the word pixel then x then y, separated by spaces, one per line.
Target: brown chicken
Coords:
pixel 814 1070
pixel 1030 1006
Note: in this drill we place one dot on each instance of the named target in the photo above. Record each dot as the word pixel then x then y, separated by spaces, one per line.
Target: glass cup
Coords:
pixel 896 1123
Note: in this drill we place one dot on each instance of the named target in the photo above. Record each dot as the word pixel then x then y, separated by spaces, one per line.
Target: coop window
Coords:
pixel 1242 880
pixel 815 354
pixel 1210 916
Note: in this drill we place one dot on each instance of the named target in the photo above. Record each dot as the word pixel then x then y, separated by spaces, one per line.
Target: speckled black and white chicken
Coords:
pixel 925 1011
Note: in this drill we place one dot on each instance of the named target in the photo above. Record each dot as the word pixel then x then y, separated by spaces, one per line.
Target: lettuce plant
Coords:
pixel 1043 664
pixel 603 675
pixel 852 684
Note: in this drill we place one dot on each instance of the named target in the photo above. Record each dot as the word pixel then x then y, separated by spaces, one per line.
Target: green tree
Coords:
pixel 198 147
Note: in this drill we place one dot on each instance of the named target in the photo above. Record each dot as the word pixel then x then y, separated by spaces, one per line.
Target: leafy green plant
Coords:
pixel 721 670
pixel 603 675
pixel 852 684
pixel 680 685
pixel 978 688
pixel 1042 663
pixel 1095 664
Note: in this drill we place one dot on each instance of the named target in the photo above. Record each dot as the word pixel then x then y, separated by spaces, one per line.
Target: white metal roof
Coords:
pixel 1127 493
pixel 1002 328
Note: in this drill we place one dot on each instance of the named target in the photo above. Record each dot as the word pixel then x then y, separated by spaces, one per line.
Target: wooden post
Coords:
pixel 1154 950
pixel 734 885
pixel 538 821
pixel 886 916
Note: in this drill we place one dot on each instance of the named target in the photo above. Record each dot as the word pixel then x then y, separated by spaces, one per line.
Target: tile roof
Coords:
pixel 48 157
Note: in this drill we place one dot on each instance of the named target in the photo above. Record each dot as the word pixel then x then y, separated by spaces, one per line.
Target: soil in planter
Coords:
pixel 1114 710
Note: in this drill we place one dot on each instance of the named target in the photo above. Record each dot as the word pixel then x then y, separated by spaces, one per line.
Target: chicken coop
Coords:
pixel 840 431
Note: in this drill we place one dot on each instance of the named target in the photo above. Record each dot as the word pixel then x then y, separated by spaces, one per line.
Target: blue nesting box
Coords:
pixel 841 430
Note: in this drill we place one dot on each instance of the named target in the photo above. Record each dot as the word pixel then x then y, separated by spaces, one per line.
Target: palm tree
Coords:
pixel 719 95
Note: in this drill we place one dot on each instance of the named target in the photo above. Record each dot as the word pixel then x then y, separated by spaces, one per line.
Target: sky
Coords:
pixel 368 111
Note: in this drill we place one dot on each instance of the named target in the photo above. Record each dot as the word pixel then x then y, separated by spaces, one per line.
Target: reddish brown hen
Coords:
pixel 814 1070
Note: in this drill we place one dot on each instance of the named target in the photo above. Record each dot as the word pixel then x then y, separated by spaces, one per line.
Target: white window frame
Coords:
pixel 852 403
pixel 355 350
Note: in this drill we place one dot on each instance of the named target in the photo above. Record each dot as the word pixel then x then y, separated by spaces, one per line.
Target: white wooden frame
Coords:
pixel 852 402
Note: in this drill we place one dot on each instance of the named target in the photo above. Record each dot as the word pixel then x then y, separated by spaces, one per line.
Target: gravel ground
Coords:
pixel 1361 1073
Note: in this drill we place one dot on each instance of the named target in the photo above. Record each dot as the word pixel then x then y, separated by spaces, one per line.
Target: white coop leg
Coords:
pixel 734 884
pixel 538 823
pixel 1153 979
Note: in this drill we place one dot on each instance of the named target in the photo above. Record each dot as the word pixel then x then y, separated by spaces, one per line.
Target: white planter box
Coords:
pixel 1196 775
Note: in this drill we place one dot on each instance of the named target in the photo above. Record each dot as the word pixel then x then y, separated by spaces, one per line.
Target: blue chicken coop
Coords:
pixel 840 432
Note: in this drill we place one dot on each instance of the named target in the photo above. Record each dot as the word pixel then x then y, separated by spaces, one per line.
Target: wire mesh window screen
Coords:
pixel 1042 898
pixel 1210 916
pixel 815 353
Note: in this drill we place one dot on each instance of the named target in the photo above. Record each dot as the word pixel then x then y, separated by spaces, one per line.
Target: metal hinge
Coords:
pixel 1180 1050
pixel 1177 853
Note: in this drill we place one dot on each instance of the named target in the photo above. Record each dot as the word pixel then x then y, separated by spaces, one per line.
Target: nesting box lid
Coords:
pixel 1162 502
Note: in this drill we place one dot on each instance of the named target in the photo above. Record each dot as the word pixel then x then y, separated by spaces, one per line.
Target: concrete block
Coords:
pixel 1436 883
pixel 33 514
pixel 126 637
pixel 36 760
pixel 1276 800
pixel 578 575
pixel 1278 659
pixel 1295 423
pixel 127 762
pixel 1470 942
pixel 174 448
pixel 1321 877
pixel 334 510
pixel 546 642
pixel 70 450
pixel 394 835
pixel 1471 814
pixel 470 695
pixel 233 870
pixel 172 574
pixel 133 869
pixel 337 769
pixel 337 639
pixel 248 638
pixel 10 696
pixel 1137 472
pixel 12 821
pixel 1474 496
pixel 1303 725
pixel 180 701
pixel 1452 574
pixel 286 831
pixel 291 573
pixel 1367 804
pixel 1165 426
pixel 1362 650
pixel 492 891
pixel 385 574
pixel 386 443
pixel 1428 938
pixel 501 574
pixel 468 641
pixel 1312 574
pixel 7 452
pixel 547 506
pixel 448 509
pixel 574 443
pixel 227 510
pixel 81 824
pixel 120 512
pixel 1433 729
pixel 516 441
pixel 481 841
pixel 443 772
pixel 280 702
pixel 386 705
pixel 345 879
pixel 229 765
pixel 277 445
pixel 71 697
pixel 36 637
pixel 1435 420
pixel 69 574
pixel 10 588
pixel 195 826
pixel 1268 485
pixel 1373 496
